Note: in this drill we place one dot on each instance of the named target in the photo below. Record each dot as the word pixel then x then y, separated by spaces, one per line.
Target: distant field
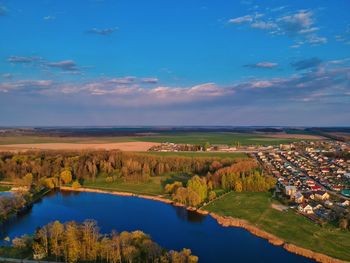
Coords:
pixel 200 154
pixel 221 138
pixel 228 138
pixel 4 140
pixel 123 146
pixel 293 228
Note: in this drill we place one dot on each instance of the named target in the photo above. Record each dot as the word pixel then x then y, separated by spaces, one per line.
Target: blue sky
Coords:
pixel 165 62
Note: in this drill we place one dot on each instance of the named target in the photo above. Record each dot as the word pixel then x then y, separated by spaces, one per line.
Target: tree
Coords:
pixel 28 179
pixel 66 176
pixel 56 239
pixel 206 146
pixel 199 186
pixel 211 195
pixel 72 247
pixel 171 188
pixel 76 185
pixel 72 242
pixel 238 186
pixel 343 223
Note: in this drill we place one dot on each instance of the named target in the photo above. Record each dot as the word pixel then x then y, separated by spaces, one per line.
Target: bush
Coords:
pixel 76 185
pixel 109 179
pixel 212 196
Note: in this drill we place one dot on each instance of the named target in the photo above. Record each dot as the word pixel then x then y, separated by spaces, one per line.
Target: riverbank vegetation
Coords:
pixel 73 242
pixel 242 176
pixel 113 170
pixel 197 178
pixel 4 188
pixel 18 201
pixel 289 226
pixel 132 167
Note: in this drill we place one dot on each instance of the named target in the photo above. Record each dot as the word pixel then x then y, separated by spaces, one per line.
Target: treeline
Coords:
pixel 73 242
pixel 89 165
pixel 11 205
pixel 19 200
pixel 241 176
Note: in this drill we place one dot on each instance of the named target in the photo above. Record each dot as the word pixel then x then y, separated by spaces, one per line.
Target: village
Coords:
pixel 312 178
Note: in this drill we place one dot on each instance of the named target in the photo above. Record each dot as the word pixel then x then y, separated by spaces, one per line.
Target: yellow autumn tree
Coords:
pixel 66 176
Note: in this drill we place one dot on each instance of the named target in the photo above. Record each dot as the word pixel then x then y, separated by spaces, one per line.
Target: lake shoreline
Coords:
pixel 225 221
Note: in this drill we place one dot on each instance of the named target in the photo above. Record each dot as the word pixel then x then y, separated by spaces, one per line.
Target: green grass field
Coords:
pixel 199 154
pixel 153 187
pixel 181 137
pixel 4 188
pixel 11 252
pixel 4 140
pixel 293 228
pixel 216 138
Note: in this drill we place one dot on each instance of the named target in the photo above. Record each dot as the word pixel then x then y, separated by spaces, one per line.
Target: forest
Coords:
pixel 88 165
pixel 83 242
pixel 207 175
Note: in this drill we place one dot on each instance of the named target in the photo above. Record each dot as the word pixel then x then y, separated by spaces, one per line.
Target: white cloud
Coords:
pixel 299 25
pixel 242 19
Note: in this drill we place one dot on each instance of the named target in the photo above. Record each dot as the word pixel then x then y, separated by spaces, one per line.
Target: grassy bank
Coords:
pixel 152 187
pixel 10 252
pixel 293 228
pixel 4 188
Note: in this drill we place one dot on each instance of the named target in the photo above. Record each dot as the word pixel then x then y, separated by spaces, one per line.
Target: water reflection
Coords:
pixel 190 216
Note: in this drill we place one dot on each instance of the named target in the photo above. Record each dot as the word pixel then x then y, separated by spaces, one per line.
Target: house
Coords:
pixel 328 203
pixel 310 182
pixel 290 190
pixel 306 209
pixel 315 188
pixel 324 213
pixel 321 195
pixel 345 203
pixel 309 195
pixel 299 198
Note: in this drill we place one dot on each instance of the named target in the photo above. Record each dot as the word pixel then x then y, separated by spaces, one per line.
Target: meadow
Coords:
pixel 4 188
pixel 291 227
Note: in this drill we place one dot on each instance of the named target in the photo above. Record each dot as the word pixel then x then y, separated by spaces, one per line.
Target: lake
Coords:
pixel 171 227
pixel 6 194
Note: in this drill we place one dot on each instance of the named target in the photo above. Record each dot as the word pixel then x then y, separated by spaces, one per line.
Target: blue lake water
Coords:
pixel 171 227
pixel 6 194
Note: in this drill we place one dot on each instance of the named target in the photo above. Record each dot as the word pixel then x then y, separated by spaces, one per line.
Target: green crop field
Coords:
pixel 4 140
pixel 180 137
pixel 199 154
pixel 215 138
pixel 4 188
pixel 293 228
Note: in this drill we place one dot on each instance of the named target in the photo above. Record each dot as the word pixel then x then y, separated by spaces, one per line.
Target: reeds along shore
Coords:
pixel 228 222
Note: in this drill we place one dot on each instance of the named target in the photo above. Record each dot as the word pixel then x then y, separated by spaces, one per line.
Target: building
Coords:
pixel 290 190
pixel 306 209
pixel 299 198
pixel 321 195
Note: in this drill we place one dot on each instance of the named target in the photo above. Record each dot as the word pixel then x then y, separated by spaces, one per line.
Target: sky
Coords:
pixel 166 62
